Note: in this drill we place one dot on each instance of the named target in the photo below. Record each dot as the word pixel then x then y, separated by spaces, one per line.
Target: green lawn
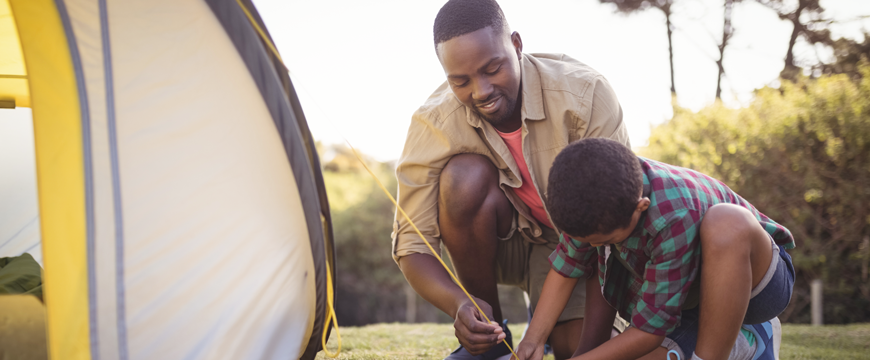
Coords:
pixel 435 341
pixel 803 342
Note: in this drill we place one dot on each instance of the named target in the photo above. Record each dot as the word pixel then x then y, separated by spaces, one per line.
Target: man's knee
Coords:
pixel 466 182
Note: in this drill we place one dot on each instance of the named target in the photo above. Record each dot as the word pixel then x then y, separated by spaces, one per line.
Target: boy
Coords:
pixel 650 226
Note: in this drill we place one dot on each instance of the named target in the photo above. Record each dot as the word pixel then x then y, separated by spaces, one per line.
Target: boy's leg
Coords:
pixel 735 255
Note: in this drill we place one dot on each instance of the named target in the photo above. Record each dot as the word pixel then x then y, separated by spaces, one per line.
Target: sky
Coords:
pixel 361 68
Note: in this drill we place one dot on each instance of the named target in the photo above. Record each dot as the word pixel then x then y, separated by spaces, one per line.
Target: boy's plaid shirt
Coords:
pixel 662 250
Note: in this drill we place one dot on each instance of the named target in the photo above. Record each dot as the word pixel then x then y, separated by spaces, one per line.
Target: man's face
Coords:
pixel 483 70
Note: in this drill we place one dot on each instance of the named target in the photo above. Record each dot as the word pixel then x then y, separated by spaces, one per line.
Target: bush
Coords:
pixel 369 285
pixel 801 155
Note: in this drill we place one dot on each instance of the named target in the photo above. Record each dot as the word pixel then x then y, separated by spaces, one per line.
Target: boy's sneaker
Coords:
pixel 768 336
pixel 500 350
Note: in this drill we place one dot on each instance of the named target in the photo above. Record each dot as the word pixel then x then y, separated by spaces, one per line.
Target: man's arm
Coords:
pixel 605 119
pixel 418 173
pixel 429 278
pixel 430 144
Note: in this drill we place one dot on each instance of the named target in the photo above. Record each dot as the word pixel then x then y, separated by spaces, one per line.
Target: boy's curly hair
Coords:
pixel 594 187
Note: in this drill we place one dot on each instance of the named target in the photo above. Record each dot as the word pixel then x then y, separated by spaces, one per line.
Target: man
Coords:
pixel 475 165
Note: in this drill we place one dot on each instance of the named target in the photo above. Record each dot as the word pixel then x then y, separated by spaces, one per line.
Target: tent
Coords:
pixel 181 209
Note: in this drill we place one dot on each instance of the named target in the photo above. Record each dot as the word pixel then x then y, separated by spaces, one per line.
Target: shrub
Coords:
pixel 801 155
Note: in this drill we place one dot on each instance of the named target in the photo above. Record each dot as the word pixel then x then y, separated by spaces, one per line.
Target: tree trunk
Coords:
pixel 667 10
pixel 865 287
pixel 726 35
pixel 790 70
pixel 410 304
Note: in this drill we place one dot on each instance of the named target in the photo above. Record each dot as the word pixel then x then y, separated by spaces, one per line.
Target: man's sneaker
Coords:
pixel 768 335
pixel 496 352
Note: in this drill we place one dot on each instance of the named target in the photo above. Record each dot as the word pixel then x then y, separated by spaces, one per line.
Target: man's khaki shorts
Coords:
pixel 526 265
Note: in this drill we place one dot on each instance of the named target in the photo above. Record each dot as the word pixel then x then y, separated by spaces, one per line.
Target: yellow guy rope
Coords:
pixel 330 314
pixel 261 32
pixel 331 309
pixel 424 239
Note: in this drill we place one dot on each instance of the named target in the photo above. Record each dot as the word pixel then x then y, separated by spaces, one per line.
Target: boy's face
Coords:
pixel 618 235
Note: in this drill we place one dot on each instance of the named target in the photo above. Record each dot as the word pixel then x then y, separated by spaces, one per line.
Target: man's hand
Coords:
pixel 474 333
pixel 529 350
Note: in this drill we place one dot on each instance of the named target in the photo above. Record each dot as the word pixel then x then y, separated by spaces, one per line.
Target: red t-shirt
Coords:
pixel 526 192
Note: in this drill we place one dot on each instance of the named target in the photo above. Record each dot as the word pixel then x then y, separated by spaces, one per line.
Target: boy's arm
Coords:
pixel 598 321
pixel 631 344
pixel 662 301
pixel 595 342
pixel 555 294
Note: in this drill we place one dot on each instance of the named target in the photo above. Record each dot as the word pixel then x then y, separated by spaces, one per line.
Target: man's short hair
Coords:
pixel 594 187
pixel 460 17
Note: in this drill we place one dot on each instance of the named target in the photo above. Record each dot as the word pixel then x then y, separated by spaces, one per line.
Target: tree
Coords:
pixel 369 285
pixel 813 30
pixel 632 6
pixel 370 288
pixel 801 155
pixel 727 31
pixel 847 55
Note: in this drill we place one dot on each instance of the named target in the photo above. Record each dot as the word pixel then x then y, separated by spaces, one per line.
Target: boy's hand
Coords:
pixel 528 350
pixel 473 332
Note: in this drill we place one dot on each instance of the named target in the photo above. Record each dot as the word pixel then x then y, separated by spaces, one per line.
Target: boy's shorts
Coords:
pixel 766 301
pixel 525 265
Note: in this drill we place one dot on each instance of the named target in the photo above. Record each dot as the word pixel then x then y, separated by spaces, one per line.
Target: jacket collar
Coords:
pixel 533 101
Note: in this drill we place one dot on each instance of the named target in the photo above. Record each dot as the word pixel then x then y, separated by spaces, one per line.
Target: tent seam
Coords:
pixel 87 161
pixel 116 182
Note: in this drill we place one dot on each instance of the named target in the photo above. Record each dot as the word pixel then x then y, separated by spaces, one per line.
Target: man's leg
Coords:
pixel 735 255
pixel 472 213
pixel 565 338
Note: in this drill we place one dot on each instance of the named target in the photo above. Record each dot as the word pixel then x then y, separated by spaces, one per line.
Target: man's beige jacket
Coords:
pixel 563 100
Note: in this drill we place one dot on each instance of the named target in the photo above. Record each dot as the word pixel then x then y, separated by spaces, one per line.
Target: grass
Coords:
pixel 435 341
pixel 804 342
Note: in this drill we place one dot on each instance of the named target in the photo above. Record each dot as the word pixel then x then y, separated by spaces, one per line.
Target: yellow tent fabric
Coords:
pixel 58 134
pixel 13 77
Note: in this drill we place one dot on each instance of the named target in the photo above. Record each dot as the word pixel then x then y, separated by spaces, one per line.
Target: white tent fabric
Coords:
pixel 206 224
